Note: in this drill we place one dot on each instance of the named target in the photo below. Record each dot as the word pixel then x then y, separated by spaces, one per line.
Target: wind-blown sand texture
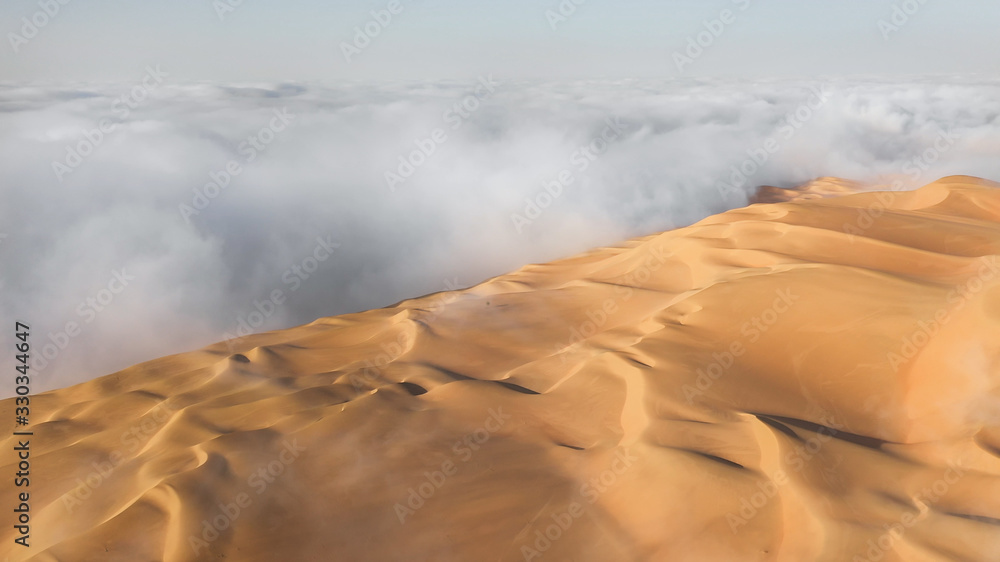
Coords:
pixel 817 379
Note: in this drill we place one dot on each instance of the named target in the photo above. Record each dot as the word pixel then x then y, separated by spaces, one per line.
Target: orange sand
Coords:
pixel 817 379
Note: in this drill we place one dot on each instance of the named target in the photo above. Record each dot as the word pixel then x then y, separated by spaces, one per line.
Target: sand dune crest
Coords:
pixel 816 378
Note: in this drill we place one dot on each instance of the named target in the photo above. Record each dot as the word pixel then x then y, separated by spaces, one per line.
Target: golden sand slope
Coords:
pixel 816 189
pixel 811 380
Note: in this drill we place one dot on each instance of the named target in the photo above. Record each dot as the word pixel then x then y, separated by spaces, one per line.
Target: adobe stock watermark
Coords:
pixel 373 367
pixel 367 32
pixel 699 43
pixel 901 15
pixel 372 370
pixel 797 459
pixel 225 7
pixel 87 310
pixel 759 155
pixel 3 236
pixel 33 25
pixel 122 107
pixel 131 440
pixel 463 450
pixel 220 180
pixel 752 330
pixel 601 313
pixel 957 299
pixel 924 500
pixel 292 279
pixel 562 12
pixel 259 480
pixel 580 160
pixel 916 168
pixel 455 116
pixel 590 492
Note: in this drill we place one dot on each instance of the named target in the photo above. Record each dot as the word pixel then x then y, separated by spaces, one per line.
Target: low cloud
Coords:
pixel 492 178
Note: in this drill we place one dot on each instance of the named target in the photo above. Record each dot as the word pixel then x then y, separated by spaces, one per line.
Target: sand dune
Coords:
pixel 816 379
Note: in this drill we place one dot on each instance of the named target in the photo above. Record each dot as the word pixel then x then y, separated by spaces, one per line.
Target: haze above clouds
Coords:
pixel 460 39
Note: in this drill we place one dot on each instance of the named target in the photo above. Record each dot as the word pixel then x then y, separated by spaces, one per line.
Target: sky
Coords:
pixel 173 177
pixel 238 40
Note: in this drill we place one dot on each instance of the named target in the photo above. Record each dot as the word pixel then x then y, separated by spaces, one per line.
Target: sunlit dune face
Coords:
pixel 814 379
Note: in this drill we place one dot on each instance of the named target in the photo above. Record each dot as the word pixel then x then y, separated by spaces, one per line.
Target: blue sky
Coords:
pixel 435 39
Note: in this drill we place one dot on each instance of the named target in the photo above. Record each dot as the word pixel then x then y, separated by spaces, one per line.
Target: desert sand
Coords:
pixel 813 379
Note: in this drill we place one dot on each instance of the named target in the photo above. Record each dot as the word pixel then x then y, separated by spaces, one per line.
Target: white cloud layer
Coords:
pixel 312 214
